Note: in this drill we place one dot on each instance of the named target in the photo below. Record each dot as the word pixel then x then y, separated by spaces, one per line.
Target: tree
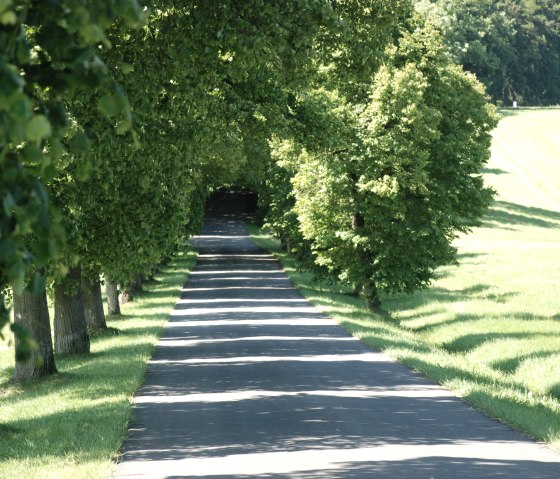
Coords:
pixel 32 313
pixel 382 214
pixel 70 326
pixel 48 54
pixel 511 45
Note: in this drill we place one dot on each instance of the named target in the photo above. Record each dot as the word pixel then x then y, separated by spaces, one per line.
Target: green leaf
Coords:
pixel 8 248
pixel 79 143
pixel 56 148
pixel 8 18
pixel 123 126
pixel 84 170
pixel 4 4
pixel 37 284
pixel 20 109
pixel 38 128
pixel 16 276
pixel 48 172
pixel 9 204
pixel 92 34
pixel 130 11
pixel 32 154
pixel 109 105
pixel 127 68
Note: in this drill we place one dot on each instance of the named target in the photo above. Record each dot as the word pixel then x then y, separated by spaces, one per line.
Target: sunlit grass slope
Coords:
pixel 490 328
pixel 72 425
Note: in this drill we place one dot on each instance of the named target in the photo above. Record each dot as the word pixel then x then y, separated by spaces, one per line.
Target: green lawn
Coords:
pixel 72 425
pixel 490 328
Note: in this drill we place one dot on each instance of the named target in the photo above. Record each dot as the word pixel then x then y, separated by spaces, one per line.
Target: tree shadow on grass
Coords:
pixel 443 296
pixel 505 213
pixel 510 365
pixel 469 342
pixel 26 442
pixel 492 404
pixel 510 111
pixel 494 171
pixel 388 333
pixel 555 390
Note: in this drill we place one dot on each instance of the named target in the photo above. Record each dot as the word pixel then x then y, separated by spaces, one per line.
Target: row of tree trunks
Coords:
pixel 78 304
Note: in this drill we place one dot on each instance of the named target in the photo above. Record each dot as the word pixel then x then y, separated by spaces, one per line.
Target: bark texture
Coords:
pixel 369 288
pixel 126 296
pixel 137 284
pixel 112 291
pixel 93 303
pixel 130 291
pixel 70 327
pixel 371 295
pixel 32 312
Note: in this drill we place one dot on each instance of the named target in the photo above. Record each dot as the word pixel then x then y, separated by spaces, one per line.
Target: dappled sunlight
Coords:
pixel 242 300
pixel 250 381
pixel 328 459
pixel 403 392
pixel 230 272
pixel 366 357
pixel 237 288
pixel 298 321
pixel 87 404
pixel 173 342
pixel 228 237
pixel 253 257
pixel 242 308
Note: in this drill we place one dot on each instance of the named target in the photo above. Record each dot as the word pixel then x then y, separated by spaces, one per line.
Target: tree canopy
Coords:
pixel 513 46
pixel 362 138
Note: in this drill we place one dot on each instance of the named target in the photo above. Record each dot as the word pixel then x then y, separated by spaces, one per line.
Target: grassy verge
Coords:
pixel 72 425
pixel 489 329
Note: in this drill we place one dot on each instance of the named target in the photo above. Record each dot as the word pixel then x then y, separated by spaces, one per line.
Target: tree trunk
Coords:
pixel 70 328
pixel 112 292
pixel 369 288
pixel 372 295
pixel 32 312
pixel 135 287
pixel 93 303
pixel 126 295
pixel 356 292
pixel 137 284
pixel 357 221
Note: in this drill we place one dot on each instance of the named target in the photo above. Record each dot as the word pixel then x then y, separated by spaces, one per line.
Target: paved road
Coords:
pixel 249 381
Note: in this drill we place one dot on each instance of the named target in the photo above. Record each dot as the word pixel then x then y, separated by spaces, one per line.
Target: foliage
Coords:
pixel 49 52
pixel 487 329
pixel 383 210
pixel 252 93
pixel 513 46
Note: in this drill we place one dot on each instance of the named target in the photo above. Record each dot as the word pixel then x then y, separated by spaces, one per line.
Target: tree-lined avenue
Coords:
pixel 250 381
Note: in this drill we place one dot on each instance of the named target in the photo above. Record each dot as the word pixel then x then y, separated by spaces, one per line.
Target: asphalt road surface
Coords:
pixel 249 381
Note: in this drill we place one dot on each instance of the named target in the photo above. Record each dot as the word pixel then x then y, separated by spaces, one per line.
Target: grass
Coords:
pixel 489 329
pixel 71 425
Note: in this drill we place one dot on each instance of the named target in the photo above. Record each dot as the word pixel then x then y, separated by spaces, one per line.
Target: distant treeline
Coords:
pixel 513 46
